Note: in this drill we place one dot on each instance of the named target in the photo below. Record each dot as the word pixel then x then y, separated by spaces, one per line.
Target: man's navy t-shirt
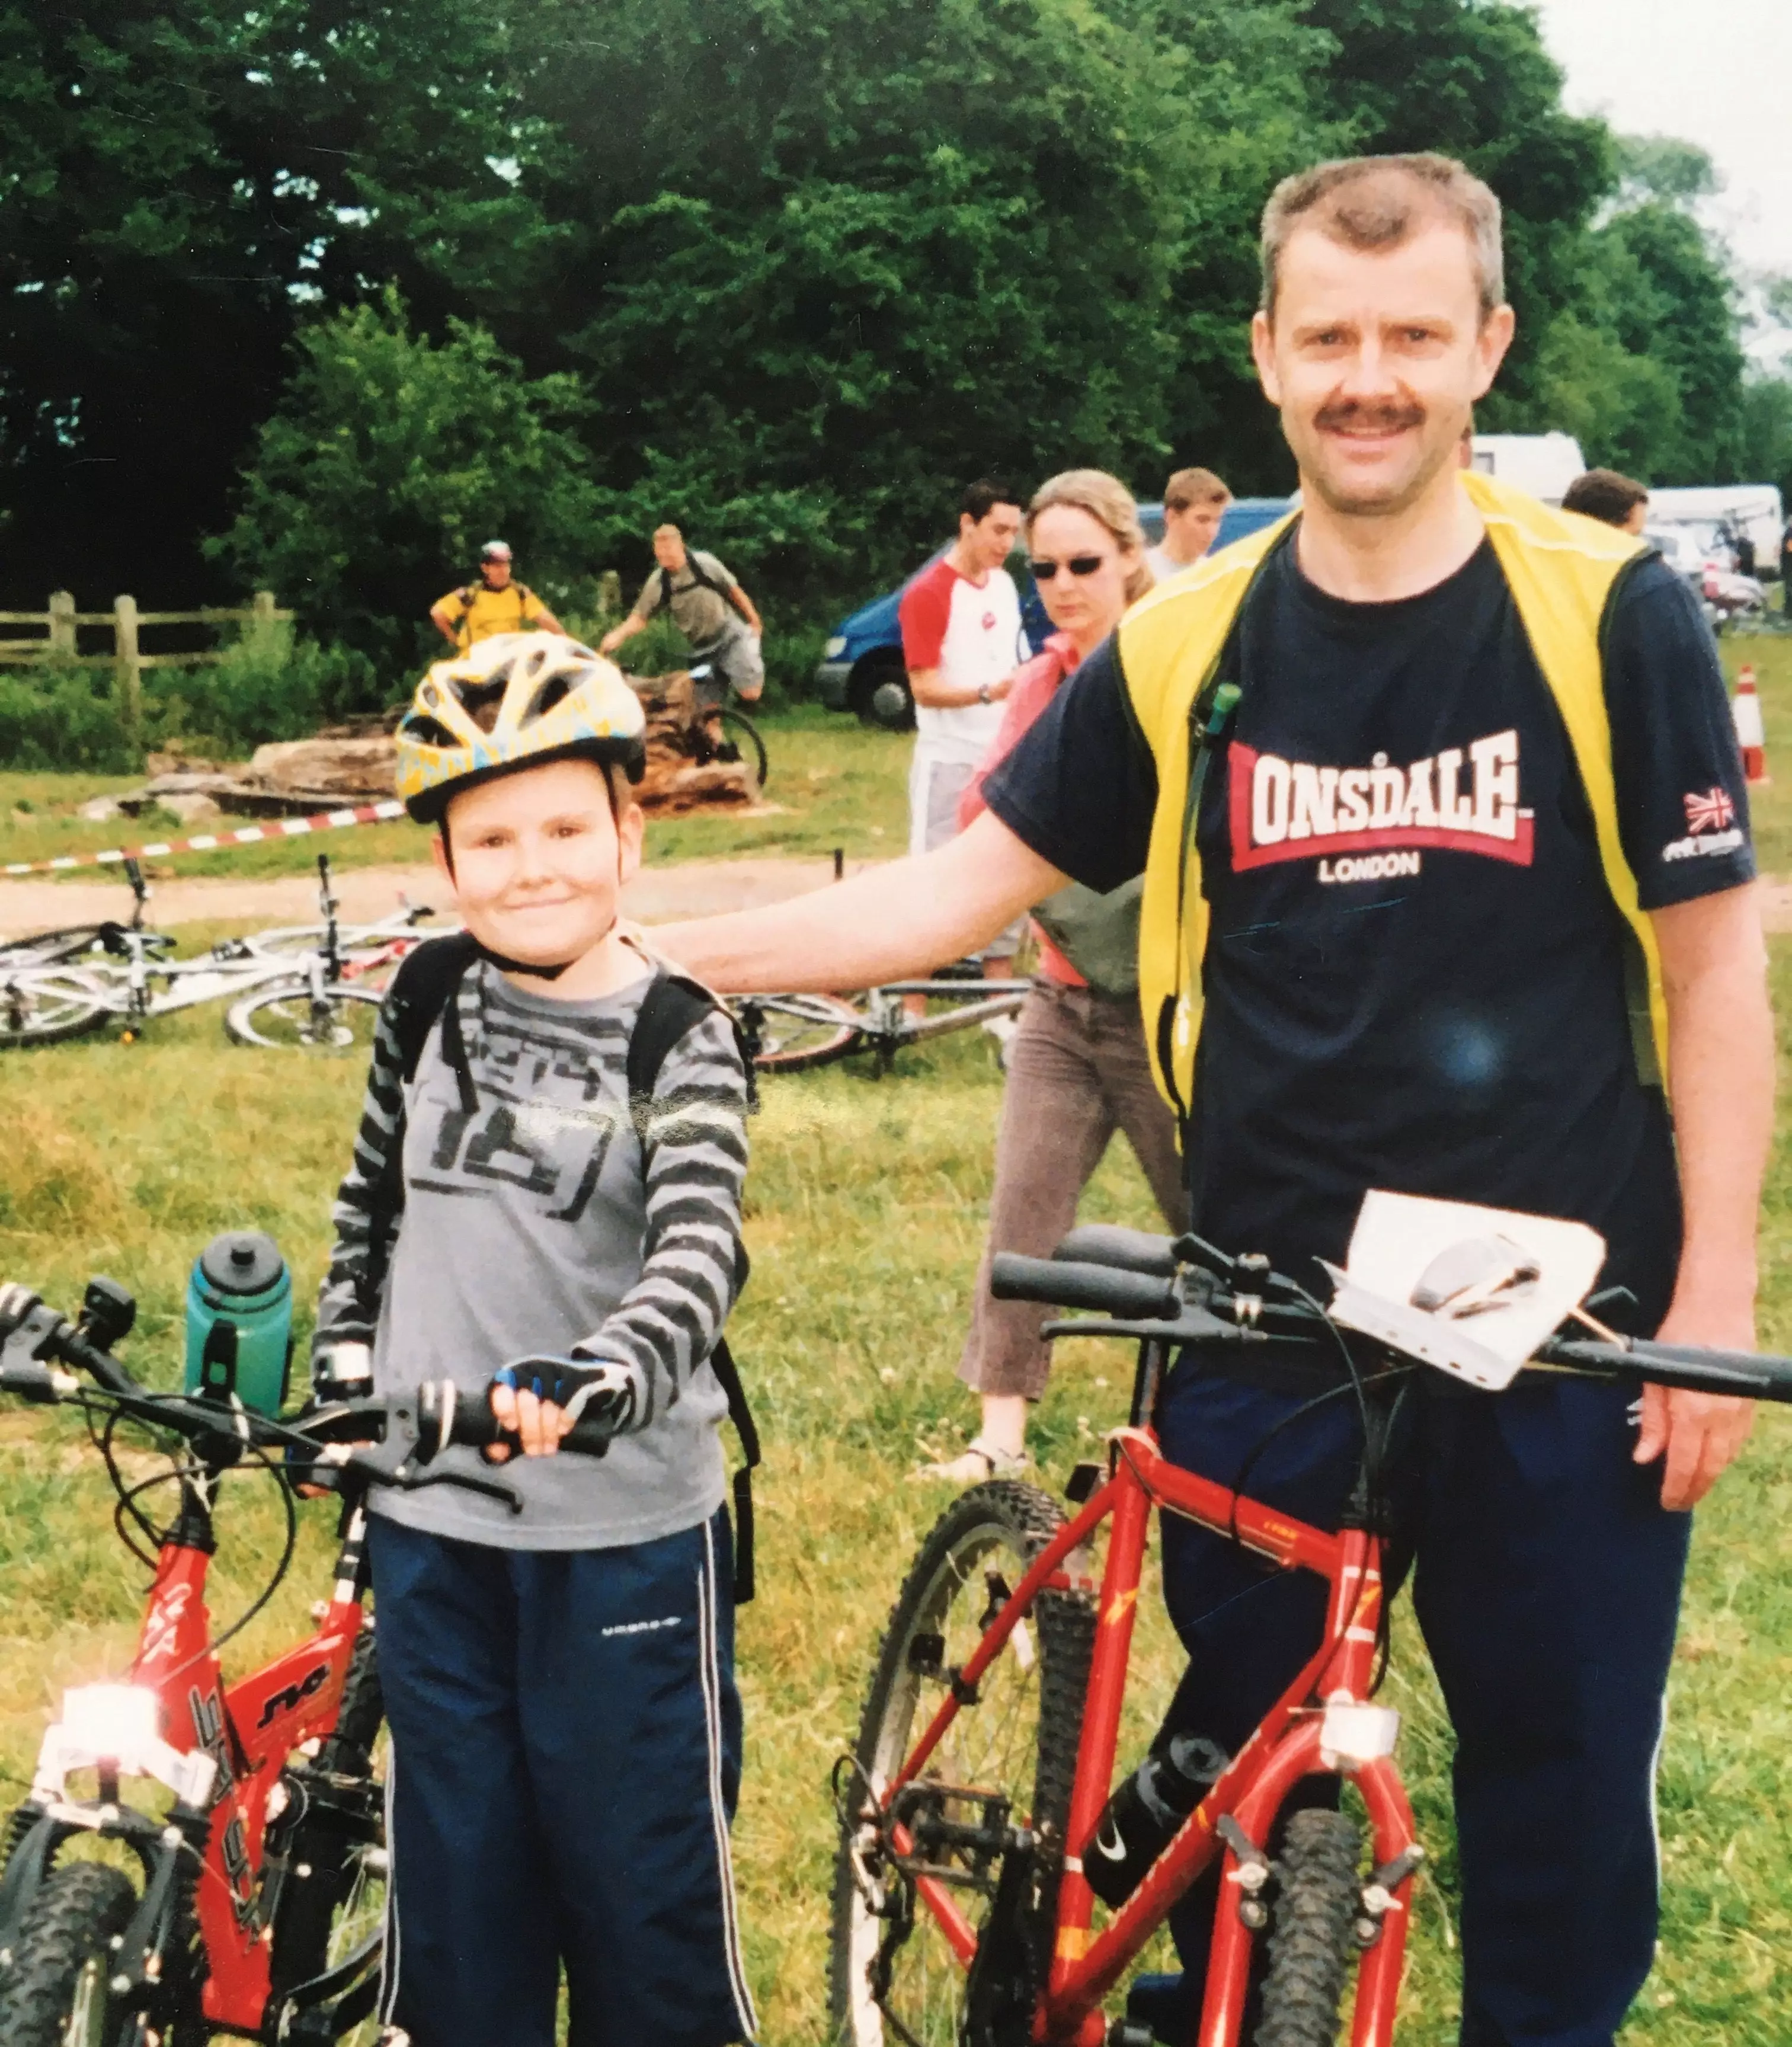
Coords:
pixel 1415 974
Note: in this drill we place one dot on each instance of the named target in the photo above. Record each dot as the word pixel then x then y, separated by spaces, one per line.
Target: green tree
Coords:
pixel 387 459
pixel 180 182
pixel 822 268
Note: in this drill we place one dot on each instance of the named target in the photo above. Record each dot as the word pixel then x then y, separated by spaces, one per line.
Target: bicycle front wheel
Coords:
pixel 42 1005
pixel 788 1032
pixel 1008 1760
pixel 329 1928
pixel 55 1990
pixel 1311 1940
pixel 739 732
pixel 287 1018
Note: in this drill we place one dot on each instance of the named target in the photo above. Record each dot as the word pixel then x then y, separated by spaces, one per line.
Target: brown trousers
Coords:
pixel 1077 1072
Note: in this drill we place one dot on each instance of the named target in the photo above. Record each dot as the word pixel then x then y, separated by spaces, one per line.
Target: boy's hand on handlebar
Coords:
pixel 541 1398
pixel 1695 1435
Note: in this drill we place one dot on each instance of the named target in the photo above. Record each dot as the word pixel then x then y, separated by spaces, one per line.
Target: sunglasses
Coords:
pixel 1078 565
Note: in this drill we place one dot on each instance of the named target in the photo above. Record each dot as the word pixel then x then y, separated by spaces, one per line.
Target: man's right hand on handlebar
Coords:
pixel 541 1398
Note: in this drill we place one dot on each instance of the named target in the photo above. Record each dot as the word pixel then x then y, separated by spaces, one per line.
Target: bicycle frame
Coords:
pixel 250 1731
pixel 1323 1723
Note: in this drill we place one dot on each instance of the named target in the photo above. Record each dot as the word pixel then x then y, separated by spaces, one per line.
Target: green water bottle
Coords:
pixel 239 1321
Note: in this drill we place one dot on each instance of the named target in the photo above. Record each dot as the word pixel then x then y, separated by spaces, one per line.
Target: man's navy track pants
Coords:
pixel 566 1752
pixel 1547 1581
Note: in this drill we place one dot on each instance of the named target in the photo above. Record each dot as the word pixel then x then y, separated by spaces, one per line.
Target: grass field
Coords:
pixel 866 1209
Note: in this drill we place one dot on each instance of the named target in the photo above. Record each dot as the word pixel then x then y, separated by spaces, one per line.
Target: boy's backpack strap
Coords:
pixel 673 1005
pixel 423 989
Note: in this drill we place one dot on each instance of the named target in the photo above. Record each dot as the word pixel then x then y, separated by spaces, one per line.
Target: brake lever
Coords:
pixel 399 1458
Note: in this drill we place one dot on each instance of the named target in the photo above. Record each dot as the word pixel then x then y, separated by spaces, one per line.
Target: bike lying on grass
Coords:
pixel 243 1891
pixel 312 988
pixel 789 1033
pixel 976 1825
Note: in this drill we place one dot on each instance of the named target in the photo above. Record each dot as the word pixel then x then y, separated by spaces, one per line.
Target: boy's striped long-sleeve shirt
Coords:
pixel 545 1220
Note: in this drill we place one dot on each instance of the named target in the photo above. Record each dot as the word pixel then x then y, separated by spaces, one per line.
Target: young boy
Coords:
pixel 559 1681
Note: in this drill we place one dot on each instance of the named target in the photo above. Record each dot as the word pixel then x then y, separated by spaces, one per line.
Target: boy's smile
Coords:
pixel 539 860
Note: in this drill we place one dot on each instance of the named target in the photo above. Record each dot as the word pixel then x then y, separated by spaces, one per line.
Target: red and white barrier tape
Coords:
pixel 362 814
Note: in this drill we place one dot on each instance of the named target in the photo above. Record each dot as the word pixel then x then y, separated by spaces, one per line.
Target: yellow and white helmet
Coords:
pixel 513 701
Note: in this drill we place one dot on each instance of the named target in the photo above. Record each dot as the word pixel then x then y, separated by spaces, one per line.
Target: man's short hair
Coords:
pixel 1378 203
pixel 667 532
pixel 1194 487
pixel 981 497
pixel 1603 494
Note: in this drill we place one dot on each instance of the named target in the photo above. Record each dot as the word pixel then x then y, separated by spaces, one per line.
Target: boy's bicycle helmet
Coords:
pixel 516 700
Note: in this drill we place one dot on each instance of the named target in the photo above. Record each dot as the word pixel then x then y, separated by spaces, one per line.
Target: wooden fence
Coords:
pixel 59 640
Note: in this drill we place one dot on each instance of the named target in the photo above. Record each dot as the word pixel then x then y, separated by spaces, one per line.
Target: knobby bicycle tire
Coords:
pixel 329 1916
pixel 738 730
pixel 46 1005
pixel 54 1993
pixel 979 1547
pixel 794 1032
pixel 51 948
pixel 279 1019
pixel 1311 1940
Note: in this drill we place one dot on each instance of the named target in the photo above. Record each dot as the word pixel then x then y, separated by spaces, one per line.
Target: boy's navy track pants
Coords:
pixel 566 1752
pixel 1546 1581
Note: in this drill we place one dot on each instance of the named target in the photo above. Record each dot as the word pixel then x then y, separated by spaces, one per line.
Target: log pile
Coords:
pixel 357 764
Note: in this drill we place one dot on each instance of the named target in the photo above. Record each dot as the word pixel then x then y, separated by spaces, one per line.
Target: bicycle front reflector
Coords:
pixel 1353 1732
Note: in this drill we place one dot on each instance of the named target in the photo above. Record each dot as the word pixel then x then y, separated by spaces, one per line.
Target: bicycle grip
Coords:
pixel 1134 1296
pixel 477 1426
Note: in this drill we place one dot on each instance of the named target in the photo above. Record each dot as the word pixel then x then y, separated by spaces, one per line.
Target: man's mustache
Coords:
pixel 1377 416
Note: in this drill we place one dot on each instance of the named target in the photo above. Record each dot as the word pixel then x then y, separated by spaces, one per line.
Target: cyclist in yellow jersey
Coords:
pixel 497 603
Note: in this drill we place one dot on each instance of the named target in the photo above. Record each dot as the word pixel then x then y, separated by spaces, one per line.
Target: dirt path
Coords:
pixel 693 888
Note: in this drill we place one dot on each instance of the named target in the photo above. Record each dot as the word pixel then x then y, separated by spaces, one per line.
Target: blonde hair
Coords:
pixel 1378 203
pixel 1109 503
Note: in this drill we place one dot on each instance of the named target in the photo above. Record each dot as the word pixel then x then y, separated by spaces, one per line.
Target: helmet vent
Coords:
pixel 555 691
pixel 482 701
pixel 427 732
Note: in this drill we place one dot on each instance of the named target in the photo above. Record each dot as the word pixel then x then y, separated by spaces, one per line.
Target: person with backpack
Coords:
pixel 544 1206
pixel 710 608
pixel 496 603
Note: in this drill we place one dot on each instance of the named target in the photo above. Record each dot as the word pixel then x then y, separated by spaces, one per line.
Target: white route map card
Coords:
pixel 1401 1240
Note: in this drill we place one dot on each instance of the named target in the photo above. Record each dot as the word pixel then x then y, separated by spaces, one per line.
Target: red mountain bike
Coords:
pixel 255 1903
pixel 975 1808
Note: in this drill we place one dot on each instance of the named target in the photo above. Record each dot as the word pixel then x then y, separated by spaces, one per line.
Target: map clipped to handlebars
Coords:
pixel 1472 1290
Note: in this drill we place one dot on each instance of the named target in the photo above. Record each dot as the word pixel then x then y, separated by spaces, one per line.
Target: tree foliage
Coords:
pixel 787 274
pixel 388 460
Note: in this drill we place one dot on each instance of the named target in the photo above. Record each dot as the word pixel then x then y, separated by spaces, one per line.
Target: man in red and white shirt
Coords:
pixel 960 641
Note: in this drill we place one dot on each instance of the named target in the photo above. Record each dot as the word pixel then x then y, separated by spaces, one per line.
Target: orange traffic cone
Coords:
pixel 1751 736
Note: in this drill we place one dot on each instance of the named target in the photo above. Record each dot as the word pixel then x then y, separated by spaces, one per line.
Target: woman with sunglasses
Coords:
pixel 1077 1068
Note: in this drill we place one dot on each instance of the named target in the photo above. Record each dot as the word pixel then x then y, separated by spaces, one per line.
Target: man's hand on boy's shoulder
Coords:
pixel 539 1399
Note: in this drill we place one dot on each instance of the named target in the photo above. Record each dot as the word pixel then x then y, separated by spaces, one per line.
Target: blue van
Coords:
pixel 862 671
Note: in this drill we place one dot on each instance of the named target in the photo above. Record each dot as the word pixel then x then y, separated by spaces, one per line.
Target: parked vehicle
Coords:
pixel 1724 596
pixel 1544 464
pixel 1719 515
pixel 862 671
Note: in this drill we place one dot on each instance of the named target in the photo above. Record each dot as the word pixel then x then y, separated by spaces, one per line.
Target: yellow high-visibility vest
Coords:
pixel 1560 569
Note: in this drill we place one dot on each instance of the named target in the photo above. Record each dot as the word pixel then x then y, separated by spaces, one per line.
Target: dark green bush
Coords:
pixel 62 716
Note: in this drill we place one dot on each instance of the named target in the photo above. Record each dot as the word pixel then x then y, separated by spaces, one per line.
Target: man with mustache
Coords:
pixel 1467 903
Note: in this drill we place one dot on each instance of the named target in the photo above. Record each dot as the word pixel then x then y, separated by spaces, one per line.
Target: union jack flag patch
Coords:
pixel 1710 812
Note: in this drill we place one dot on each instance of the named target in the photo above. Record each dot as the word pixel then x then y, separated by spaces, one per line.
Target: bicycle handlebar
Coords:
pixel 1108 1289
pixel 389 1440
pixel 1192 1308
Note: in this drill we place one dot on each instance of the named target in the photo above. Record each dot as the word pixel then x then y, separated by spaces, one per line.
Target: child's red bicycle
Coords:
pixel 246 1892
pixel 975 1809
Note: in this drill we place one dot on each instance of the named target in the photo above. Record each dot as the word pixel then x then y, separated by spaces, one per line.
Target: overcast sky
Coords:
pixel 1718 76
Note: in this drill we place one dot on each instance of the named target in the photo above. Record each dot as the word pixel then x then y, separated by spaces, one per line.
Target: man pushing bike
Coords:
pixel 1447 890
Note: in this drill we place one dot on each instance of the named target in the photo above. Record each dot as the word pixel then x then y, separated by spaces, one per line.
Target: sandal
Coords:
pixel 977 1464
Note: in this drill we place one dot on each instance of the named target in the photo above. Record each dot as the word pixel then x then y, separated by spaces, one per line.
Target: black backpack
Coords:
pixel 699 581
pixel 423 990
